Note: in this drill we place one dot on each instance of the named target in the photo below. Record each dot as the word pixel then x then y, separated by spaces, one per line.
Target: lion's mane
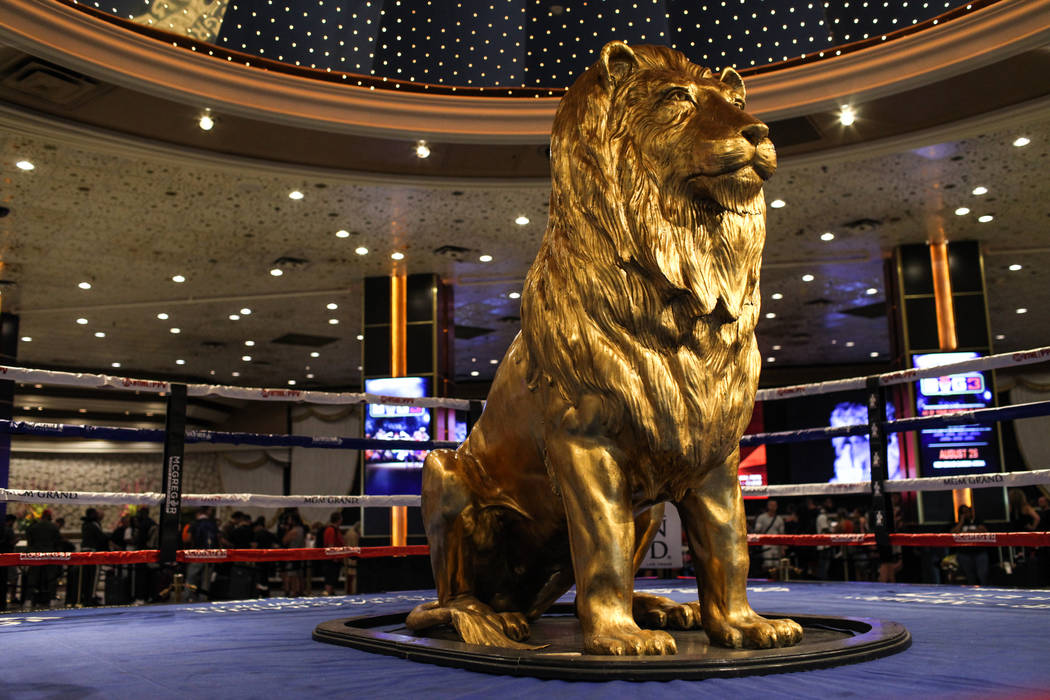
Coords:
pixel 633 295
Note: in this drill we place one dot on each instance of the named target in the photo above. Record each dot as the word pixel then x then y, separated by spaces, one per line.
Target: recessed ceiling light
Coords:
pixel 309 376
pixel 291 382
pixel 515 295
pixel 422 149
pixel 771 315
pixel 246 311
pixel 1022 310
pixel 180 362
pixel 235 317
pixel 342 233
pixel 874 353
pixel 249 343
pixel 850 343
pixel 179 279
pixel 333 321
pixel 206 122
pixel 846 115
pixel 315 354
pixel 493 362
pixel 871 291
pixel 474 373
pixel 962 211
pixel 777 295
pixel 807 278
pixel 331 306
pixel 24 165
pixel 27 339
pixel 176 331
pixel 82 321
pixel 1015 267
pixel 771 359
pixel 84 285
pixel 778 203
pixel 246 358
pixel 100 334
pixel 485 258
pixel 162 316
pixel 397 255
pixel 235 374
pixel 1000 336
pixel 114 364
pixel 360 337
pixel 522 220
pixel 1022 141
pixel 295 194
pixel 776 347
pixel 979 190
pixel 827 236
pixel 985 218
pixel 361 250
pixel 276 271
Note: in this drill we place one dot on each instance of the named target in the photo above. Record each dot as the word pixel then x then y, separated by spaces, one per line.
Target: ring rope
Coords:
pixel 152 556
pixel 937 483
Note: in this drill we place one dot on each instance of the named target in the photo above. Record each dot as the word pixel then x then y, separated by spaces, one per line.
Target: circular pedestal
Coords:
pixel 828 641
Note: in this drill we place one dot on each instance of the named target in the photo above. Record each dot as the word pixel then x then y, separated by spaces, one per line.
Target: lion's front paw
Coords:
pixel 515 626
pixel 658 612
pixel 626 641
pixel 753 631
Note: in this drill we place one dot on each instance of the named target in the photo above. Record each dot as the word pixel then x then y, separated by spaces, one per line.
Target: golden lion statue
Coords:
pixel 631 381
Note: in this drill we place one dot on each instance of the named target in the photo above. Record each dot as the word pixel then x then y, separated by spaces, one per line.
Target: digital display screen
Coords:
pixel 396 472
pixel 853 452
pixel 956 449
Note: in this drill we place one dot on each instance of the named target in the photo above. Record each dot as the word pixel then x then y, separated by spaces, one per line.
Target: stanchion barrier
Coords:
pixel 152 556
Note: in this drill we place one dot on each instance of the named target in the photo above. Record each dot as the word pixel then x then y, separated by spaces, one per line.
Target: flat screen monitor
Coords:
pixel 396 471
pixel 956 449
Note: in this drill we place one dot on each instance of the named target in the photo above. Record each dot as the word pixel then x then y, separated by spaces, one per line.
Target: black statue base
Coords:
pixel 828 641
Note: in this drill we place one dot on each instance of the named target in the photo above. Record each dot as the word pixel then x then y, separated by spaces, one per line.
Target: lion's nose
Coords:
pixel 755 132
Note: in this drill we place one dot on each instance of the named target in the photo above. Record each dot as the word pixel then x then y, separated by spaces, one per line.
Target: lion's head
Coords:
pixel 649 266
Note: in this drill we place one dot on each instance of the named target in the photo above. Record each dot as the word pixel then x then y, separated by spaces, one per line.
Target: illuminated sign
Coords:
pixel 956 449
pixel 396 471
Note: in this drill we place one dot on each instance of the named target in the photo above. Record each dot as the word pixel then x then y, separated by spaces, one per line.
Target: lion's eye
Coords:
pixel 678 94
pixel 739 103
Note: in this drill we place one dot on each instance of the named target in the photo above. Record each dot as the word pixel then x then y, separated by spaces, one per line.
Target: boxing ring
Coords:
pixel 967 641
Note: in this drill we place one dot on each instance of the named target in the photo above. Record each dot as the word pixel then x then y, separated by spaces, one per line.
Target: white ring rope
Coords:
pixel 949 483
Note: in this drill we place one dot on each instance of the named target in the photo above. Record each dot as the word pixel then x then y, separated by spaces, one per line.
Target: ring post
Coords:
pixel 174 445
pixel 882 517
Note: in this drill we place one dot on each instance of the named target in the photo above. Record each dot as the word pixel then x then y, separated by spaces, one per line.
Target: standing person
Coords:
pixel 263 539
pixel 7 545
pixel 824 526
pixel 204 534
pixel 352 538
pixel 769 522
pixel 332 536
pixel 144 535
pixel 92 539
pixel 43 535
pixel 972 560
pixel 294 538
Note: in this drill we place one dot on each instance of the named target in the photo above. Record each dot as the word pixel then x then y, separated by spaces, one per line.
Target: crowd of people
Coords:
pixel 135 529
pixel 1024 566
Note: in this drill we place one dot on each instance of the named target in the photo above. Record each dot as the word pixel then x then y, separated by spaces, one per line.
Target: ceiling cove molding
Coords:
pixel 66 36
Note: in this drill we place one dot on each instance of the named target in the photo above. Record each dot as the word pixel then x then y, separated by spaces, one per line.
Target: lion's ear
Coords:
pixel 618 61
pixel 731 78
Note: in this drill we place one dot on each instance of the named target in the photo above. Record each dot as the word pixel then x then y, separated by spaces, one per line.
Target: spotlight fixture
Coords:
pixel 235 317
pixel 246 311
pixel 206 122
pixel 474 373
pixel 249 343
pixel 776 295
pixel 771 315
pixel 291 382
pixel 360 336
pixel 246 358
pixel 777 347
pixel 515 295
pixel 295 194
pixel 522 220
pixel 422 149
pixel 1000 336
pixel 82 321
pixel 874 353
pixel 962 211
pixel 871 291
pixel 114 364
pixel 979 190
pixel 333 321
pixel 1019 142
pixel 778 203
pixel 310 376
pixel 332 306
pixel 276 271
pixel 27 339
pixel 235 374
pixel 1022 310
pixel 178 279
pixel 847 116
pixel 807 278
pixel 84 285
pixel 493 362
pixel 176 331
pixel 162 316
pixel 850 343
pixel 180 362
pixel 315 354
pixel 827 236
pixel 485 258
pixel 361 250
pixel 771 359
pixel 24 165
pixel 1015 267
pixel 100 334
pixel 985 218
pixel 397 255
pixel 342 234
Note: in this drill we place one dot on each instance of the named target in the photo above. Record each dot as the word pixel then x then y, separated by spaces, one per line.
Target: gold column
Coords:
pixel 398 329
pixel 942 295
